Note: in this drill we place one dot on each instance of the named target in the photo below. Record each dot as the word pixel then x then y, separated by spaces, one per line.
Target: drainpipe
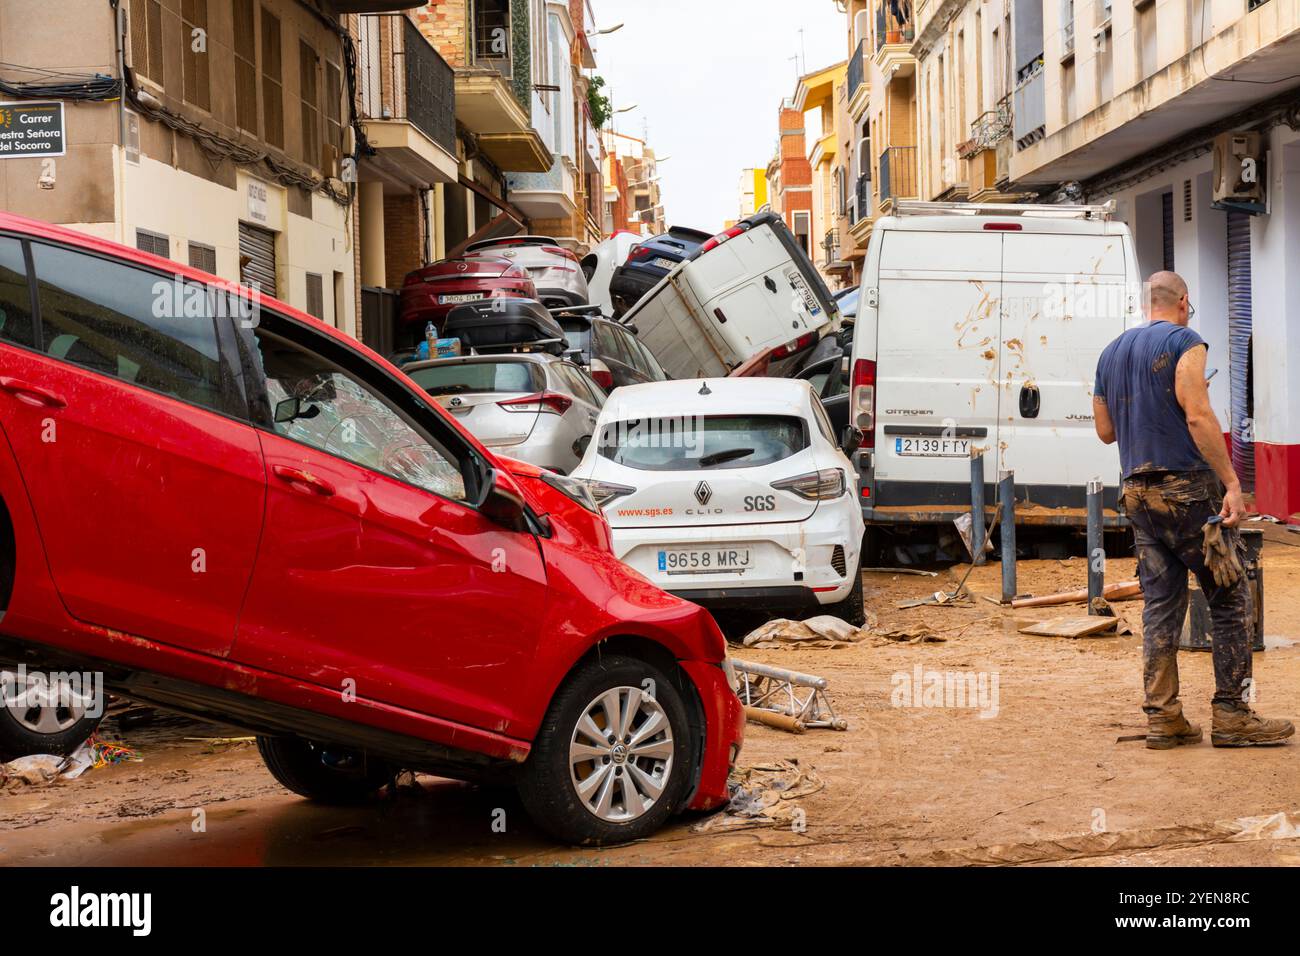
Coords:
pixel 119 202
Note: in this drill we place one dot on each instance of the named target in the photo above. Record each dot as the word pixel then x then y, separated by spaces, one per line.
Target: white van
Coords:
pixel 979 328
pixel 747 290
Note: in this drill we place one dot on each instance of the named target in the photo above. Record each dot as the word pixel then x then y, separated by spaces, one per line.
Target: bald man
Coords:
pixel 1152 397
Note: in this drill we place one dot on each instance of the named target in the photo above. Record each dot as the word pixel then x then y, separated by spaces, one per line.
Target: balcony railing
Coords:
pixel 855 69
pixel 1029 114
pixel 403 78
pixel 430 89
pixel 989 129
pixel 1067 39
pixel 492 42
pixel 898 173
pixel 894 22
pixel 861 207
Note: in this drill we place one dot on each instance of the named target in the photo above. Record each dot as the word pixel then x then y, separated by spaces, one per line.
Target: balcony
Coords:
pixel 491 101
pixel 1067 41
pixel 858 91
pixel 895 32
pixel 408 102
pixel 897 175
pixel 545 195
pixel 1029 113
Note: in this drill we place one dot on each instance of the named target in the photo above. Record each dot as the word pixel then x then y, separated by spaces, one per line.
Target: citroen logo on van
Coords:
pixel 703 492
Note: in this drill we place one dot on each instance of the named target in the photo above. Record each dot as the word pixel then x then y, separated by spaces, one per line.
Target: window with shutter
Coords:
pixel 203 257
pixel 153 242
pixel 308 67
pixel 315 295
pixel 272 81
pixel 146 39
pixel 245 66
pixel 194 53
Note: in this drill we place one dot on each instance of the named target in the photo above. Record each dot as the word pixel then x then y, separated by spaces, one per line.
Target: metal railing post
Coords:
pixel 977 507
pixel 1007 498
pixel 1096 545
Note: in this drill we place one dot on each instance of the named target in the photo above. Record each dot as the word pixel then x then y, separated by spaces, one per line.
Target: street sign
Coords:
pixel 31 129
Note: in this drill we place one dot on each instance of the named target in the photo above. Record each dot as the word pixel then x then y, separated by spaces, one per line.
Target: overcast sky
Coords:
pixel 709 76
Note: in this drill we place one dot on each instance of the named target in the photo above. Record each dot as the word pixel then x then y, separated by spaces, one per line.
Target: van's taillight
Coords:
pixel 798 345
pixel 722 237
pixel 864 400
pixel 1002 226
pixel 552 402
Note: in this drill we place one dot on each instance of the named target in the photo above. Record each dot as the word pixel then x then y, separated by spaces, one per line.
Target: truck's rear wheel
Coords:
pixel 322 772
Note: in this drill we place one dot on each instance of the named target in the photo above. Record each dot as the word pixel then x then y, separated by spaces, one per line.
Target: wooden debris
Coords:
pixel 1072 627
pixel 1112 592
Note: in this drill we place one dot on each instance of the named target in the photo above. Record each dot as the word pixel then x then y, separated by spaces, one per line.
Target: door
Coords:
pixel 257 258
pixel 120 404
pixel 1240 328
pixel 374 567
pixel 1065 298
pixel 938 363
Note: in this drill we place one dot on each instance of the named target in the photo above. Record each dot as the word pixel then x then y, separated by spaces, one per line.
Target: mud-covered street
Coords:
pixel 1039 778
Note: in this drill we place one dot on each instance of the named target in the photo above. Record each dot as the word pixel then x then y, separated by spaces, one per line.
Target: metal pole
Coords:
pixel 977 507
pixel 1096 545
pixel 1007 496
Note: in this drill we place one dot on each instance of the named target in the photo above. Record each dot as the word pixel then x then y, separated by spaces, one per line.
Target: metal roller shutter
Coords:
pixel 257 258
pixel 1240 328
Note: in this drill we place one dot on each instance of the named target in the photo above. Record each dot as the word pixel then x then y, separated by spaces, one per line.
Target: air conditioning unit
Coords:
pixel 1239 172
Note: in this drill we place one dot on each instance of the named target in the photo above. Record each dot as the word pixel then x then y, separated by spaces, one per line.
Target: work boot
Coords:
pixel 1167 734
pixel 1239 726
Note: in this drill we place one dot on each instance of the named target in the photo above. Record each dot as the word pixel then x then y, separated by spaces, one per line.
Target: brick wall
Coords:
pixel 444 24
pixel 403 237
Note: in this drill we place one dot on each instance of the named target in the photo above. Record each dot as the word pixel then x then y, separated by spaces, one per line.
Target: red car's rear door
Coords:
pixel 375 575
pixel 121 410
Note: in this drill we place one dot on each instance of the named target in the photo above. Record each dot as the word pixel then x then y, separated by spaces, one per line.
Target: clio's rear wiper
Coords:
pixel 720 457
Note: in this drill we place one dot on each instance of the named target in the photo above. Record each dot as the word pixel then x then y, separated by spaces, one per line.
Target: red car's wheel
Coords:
pixel 613 758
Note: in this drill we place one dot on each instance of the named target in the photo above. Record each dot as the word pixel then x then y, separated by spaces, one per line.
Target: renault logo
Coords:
pixel 703 492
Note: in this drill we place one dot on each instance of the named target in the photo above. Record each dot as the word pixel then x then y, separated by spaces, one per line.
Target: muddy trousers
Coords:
pixel 1167 512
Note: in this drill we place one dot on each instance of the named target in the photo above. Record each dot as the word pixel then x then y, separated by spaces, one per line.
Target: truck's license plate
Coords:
pixel 922 447
pixel 703 560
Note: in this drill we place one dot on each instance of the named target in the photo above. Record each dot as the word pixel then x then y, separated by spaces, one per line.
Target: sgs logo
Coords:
pixel 760 502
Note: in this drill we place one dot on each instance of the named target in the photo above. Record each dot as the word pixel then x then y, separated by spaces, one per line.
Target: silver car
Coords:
pixel 531 406
pixel 556 272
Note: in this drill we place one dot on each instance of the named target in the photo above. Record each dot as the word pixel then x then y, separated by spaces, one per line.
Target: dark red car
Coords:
pixel 232 510
pixel 428 294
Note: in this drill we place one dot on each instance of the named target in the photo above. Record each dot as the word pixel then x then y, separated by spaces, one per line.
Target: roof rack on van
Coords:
pixel 914 207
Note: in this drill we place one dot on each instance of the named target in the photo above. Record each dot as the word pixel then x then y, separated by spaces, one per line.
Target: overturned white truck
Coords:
pixel 749 290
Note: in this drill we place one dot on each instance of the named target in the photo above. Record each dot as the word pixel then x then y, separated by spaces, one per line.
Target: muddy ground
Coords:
pixel 1043 780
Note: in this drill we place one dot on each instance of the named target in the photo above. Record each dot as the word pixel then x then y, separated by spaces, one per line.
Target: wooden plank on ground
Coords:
pixel 1071 627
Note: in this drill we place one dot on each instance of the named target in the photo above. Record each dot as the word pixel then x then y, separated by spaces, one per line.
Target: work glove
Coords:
pixel 1220 554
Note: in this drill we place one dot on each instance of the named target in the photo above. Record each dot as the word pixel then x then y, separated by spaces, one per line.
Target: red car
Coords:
pixel 428 294
pixel 235 511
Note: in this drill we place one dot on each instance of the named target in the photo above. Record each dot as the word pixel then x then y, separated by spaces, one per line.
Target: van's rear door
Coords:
pixel 937 360
pixel 1065 296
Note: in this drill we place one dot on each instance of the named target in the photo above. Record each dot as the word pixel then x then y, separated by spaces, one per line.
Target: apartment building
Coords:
pixel 1186 113
pixel 789 176
pixel 226 151
pixel 820 97
pixel 964 100
pixel 642 198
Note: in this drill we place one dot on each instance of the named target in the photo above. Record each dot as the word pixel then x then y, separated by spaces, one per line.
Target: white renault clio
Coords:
pixel 730 492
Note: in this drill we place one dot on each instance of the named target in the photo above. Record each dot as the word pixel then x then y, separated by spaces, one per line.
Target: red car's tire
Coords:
pixel 320 773
pixel 613 758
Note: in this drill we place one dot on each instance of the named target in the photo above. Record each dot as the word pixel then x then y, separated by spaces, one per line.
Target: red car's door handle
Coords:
pixel 304 480
pixel 31 394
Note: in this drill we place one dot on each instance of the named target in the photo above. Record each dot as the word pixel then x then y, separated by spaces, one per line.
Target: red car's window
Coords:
pixel 132 324
pixel 15 295
pixel 337 413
